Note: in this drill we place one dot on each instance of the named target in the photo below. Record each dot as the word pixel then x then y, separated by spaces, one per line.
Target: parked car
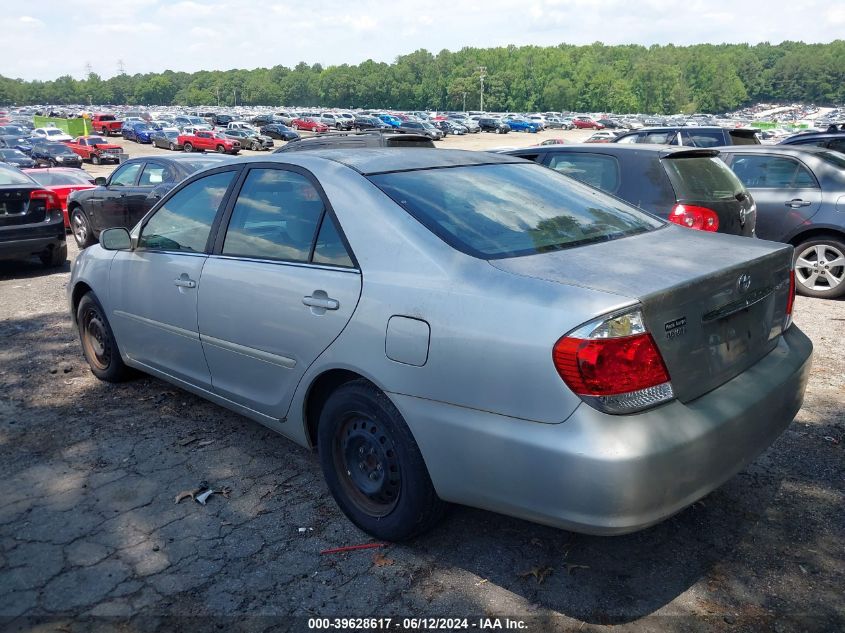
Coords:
pixel 523 125
pixel 489 124
pixel 194 122
pixel 54 155
pixel 62 181
pixel 279 131
pixel 106 124
pixel 829 140
pixel 53 134
pixel 450 127
pixel 799 191
pixel 138 132
pixel 95 149
pixel 706 136
pixel 21 144
pixel 586 123
pixel 619 393
pixel 16 158
pixel 553 141
pixel 425 129
pixel 129 192
pixel 471 125
pixel 203 140
pixel 336 121
pixel 15 131
pixel 249 139
pixel 610 124
pixel 166 138
pixel 31 221
pixel 356 140
pixel 221 120
pixel 362 123
pixel 602 136
pixel 309 123
pixel 687 186
pixel 391 120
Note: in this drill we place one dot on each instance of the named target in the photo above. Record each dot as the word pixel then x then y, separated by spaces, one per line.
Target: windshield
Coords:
pixel 54 132
pixel 58 178
pixel 59 148
pixel 702 178
pixel 497 211
pixel 96 140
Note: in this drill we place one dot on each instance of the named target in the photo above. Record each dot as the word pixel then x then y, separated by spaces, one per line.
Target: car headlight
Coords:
pixel 60 158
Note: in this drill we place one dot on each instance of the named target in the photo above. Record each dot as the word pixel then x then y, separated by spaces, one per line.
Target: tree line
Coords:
pixel 594 78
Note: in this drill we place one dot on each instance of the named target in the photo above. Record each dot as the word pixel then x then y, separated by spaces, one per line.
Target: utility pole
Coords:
pixel 121 70
pixel 481 74
pixel 465 101
pixel 235 96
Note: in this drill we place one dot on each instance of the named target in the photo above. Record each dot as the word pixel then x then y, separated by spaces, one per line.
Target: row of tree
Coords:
pixel 660 79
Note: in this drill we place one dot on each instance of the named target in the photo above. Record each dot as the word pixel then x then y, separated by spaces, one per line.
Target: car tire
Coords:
pixel 812 260
pixel 95 159
pixel 54 257
pixel 373 466
pixel 51 163
pixel 188 147
pixel 172 147
pixel 98 343
pixel 221 149
pixel 81 228
pixel 314 129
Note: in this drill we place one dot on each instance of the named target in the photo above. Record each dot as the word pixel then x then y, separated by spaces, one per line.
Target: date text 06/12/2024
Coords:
pixel 416 624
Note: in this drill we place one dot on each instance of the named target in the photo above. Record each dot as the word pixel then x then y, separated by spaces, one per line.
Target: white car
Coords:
pixel 52 134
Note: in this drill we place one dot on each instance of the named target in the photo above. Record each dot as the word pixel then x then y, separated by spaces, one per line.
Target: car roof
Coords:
pixel 662 151
pixel 811 135
pixel 377 160
pixel 779 149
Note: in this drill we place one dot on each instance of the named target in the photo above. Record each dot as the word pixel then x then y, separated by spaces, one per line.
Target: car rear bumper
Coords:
pixel 606 474
pixel 33 243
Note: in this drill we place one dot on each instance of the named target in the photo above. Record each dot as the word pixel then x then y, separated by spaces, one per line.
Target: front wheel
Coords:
pixel 314 129
pixel 95 159
pixel 81 228
pixel 172 147
pixel 373 466
pixel 98 342
pixel 221 149
pixel 820 268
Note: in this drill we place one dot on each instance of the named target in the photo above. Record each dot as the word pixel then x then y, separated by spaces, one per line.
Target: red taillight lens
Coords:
pixel 693 217
pixel 609 366
pixel 51 200
pixel 790 302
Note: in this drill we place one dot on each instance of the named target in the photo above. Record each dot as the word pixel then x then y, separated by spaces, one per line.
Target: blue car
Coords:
pixel 138 132
pixel 391 120
pixel 521 125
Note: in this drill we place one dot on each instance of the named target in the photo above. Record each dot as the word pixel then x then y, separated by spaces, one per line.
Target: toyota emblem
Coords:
pixel 744 282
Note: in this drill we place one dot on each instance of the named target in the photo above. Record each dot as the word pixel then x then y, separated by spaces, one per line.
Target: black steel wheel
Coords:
pixel 373 466
pixel 98 342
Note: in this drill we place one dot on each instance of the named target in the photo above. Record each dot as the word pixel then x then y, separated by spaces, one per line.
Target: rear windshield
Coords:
pixel 13 177
pixel 702 178
pixel 58 178
pixel 497 211
pixel 837 159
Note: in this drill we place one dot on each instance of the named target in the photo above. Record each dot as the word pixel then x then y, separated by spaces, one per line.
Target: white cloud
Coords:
pixel 154 35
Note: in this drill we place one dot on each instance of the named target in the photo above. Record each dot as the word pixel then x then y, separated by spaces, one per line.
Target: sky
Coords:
pixel 45 39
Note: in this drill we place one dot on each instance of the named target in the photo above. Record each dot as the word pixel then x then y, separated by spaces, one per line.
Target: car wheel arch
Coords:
pixel 79 290
pixel 815 233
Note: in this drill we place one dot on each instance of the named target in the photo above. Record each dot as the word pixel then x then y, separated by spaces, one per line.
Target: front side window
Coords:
pixel 772 172
pixel 183 223
pixel 275 217
pixel 126 175
pixel 509 210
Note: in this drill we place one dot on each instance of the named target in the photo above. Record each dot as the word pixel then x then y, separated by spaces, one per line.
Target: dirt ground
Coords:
pixel 89 527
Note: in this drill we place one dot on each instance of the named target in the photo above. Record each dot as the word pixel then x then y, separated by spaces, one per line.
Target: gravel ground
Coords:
pixel 89 527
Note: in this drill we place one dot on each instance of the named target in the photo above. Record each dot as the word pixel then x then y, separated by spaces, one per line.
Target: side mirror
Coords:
pixel 100 181
pixel 116 239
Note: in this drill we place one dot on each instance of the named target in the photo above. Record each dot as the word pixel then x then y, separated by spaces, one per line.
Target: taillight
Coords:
pixel 51 200
pixel 790 300
pixel 613 364
pixel 693 217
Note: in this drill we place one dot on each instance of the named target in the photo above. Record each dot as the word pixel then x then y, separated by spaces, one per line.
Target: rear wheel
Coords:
pixel 172 146
pixel 373 466
pixel 81 228
pixel 820 268
pixel 54 257
pixel 188 147
pixel 98 342
pixel 95 159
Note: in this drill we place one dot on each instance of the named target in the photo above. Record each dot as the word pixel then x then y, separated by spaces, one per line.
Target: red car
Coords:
pixel 307 123
pixel 61 181
pixel 207 140
pixel 96 149
pixel 586 123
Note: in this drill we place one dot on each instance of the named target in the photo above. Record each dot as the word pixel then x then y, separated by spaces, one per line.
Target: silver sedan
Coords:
pixel 456 327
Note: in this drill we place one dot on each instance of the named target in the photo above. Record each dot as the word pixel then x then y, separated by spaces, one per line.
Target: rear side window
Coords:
pixel 773 172
pixel 701 138
pixel 743 137
pixel 153 174
pixel 702 178
pixel 597 170
pixel 658 138
pixel 509 210
pixel 329 248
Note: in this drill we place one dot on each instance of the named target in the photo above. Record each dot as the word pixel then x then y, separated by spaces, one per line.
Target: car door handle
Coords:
pixel 326 303
pixel 797 203
pixel 184 282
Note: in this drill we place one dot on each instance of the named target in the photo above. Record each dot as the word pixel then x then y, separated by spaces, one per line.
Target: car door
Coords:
pixel 107 207
pixel 153 288
pixel 279 288
pixel 786 192
pixel 139 199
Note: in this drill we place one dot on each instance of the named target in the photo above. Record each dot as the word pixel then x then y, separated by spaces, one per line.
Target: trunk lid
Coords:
pixel 15 207
pixel 715 304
